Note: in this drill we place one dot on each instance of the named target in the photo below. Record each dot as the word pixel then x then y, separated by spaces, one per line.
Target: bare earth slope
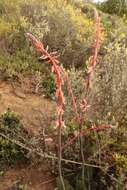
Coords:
pixel 32 109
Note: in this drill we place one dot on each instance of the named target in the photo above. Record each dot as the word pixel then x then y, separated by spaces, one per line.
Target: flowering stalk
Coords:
pixel 84 105
pixel 93 62
pixel 96 46
pixel 52 59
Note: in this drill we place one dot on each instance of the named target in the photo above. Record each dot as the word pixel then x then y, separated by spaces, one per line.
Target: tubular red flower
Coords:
pixel 56 69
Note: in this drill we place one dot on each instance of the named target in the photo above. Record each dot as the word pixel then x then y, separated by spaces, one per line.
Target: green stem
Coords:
pixel 83 161
pixel 60 154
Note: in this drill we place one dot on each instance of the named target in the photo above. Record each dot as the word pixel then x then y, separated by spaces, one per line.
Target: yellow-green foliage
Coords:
pixel 121 159
pixel 121 164
pixel 81 23
pixel 10 152
pixel 60 24
pixel 71 32
pixel 11 19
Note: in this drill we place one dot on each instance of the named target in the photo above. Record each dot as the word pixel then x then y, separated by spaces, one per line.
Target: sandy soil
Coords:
pixel 34 111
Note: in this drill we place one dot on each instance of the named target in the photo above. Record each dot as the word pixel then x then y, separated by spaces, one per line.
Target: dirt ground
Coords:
pixel 34 177
pixel 32 109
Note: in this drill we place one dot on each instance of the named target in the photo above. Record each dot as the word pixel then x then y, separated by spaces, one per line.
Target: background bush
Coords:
pixel 10 153
pixel 118 7
pixel 61 25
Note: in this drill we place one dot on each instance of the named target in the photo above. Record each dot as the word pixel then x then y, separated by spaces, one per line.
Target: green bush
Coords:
pixel 18 186
pixel 109 84
pixel 73 42
pixel 45 20
pixel 49 86
pixel 77 81
pixel 10 152
pixel 118 7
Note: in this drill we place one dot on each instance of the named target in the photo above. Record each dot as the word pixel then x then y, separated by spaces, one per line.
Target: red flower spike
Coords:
pixel 52 59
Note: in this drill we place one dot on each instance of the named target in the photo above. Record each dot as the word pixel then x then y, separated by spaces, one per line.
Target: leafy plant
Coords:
pixel 79 107
pixel 18 186
pixel 85 141
pixel 118 7
pixel 9 152
pixel 49 87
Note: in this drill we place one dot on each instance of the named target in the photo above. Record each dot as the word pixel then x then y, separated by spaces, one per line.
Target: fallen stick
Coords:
pixel 45 155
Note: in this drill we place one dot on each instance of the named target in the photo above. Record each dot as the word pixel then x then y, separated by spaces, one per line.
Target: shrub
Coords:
pixel 95 148
pixel 49 87
pixel 12 26
pixel 10 152
pixel 44 19
pixel 114 7
pixel 18 186
pixel 36 15
pixel 20 63
pixel 72 41
pixel 109 90
pixel 77 81
pixel 10 120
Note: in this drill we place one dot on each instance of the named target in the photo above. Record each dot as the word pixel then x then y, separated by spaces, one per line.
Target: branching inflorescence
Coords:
pixel 96 46
pixel 84 104
pixel 52 59
pixel 56 69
